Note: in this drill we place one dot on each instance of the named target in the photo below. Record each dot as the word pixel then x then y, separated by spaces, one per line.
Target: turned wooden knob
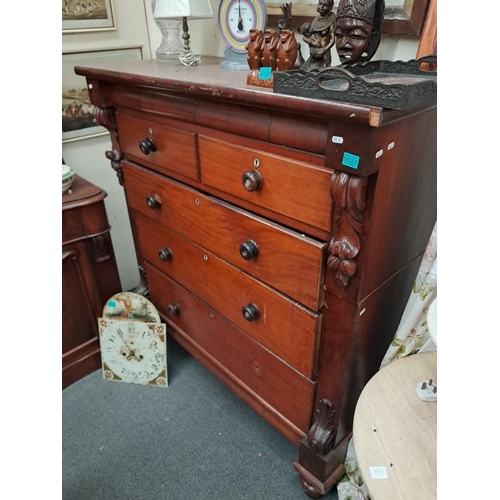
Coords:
pixel 249 250
pixel 173 309
pixel 147 145
pixel 252 181
pixel 250 312
pixel 153 202
pixel 165 254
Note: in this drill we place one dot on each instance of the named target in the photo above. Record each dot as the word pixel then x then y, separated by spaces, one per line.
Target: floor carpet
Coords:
pixel 192 440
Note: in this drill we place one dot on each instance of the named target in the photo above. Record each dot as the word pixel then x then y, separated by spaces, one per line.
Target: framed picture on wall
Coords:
pixel 87 15
pixel 78 114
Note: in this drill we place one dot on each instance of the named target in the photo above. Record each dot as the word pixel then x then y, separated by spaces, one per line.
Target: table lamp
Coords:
pixel 184 9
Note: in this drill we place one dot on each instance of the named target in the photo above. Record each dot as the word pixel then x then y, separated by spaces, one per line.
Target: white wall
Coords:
pixel 136 26
pixel 87 156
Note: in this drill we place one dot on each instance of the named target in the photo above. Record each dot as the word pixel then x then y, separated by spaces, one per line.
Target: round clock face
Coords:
pixel 133 351
pixel 237 18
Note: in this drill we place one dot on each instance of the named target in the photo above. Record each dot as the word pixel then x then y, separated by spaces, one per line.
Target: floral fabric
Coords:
pixel 412 336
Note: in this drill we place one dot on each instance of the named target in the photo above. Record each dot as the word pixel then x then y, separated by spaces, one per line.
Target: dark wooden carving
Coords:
pixel 320 436
pixel 270 50
pixel 358 29
pixel 106 118
pixel 285 23
pixel 254 47
pixel 348 192
pixel 287 50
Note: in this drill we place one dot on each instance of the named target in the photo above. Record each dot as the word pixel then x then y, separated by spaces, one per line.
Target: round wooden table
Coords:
pixel 395 429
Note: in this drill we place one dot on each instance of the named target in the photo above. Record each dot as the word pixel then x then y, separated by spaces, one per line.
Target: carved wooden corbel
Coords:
pixel 106 118
pixel 320 435
pixel 348 193
pixel 319 466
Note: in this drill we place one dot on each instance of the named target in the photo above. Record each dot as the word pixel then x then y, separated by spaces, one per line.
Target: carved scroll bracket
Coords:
pixel 106 118
pixel 348 193
pixel 321 434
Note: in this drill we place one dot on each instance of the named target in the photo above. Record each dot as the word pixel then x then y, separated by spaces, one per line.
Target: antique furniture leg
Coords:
pixel 319 466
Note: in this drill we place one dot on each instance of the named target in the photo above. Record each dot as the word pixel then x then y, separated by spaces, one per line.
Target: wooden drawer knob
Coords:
pixel 252 181
pixel 173 309
pixel 250 312
pixel 147 145
pixel 153 202
pixel 249 250
pixel 165 254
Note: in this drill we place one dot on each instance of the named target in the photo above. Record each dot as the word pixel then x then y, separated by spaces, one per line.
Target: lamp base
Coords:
pixel 171 45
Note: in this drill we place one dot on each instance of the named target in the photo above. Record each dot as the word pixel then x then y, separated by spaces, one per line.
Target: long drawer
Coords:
pixel 164 148
pixel 283 388
pixel 285 186
pixel 284 326
pixel 286 260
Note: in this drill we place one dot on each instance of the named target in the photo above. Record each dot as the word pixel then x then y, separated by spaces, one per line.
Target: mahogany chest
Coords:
pixel 278 236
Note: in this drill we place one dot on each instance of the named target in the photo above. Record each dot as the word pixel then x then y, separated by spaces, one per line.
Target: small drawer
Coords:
pixel 285 186
pixel 284 259
pixel 285 327
pixel 165 149
pixel 275 382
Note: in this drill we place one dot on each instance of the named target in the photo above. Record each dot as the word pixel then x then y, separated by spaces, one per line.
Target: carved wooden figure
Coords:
pixel 287 50
pixel 358 29
pixel 254 48
pixel 319 36
pixel 270 49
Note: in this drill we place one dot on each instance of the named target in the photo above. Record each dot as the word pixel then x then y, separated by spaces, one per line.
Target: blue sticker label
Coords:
pixel 350 160
pixel 111 304
pixel 265 73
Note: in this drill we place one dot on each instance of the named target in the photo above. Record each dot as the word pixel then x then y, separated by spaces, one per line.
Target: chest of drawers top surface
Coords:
pixel 208 80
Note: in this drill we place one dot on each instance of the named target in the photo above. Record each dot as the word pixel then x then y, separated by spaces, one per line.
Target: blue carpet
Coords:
pixel 192 440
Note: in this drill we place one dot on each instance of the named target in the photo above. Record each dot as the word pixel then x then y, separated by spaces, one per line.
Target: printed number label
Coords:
pixel 350 160
pixel 265 73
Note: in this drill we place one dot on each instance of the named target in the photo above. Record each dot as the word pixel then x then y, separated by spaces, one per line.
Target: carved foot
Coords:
pixel 309 489
pixel 312 486
pixel 320 465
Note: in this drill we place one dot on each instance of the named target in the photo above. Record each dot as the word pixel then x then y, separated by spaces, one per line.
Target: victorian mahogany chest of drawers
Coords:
pixel 278 236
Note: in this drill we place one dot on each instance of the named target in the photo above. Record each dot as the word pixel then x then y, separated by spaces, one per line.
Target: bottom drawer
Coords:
pixel 282 387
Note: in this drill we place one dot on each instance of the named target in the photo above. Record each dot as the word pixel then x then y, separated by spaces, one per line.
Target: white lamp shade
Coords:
pixel 177 9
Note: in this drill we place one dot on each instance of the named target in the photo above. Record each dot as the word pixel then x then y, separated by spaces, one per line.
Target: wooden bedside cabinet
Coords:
pixel 279 268
pixel 89 277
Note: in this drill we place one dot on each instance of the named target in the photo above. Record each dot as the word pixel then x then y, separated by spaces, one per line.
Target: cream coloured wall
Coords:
pixel 135 26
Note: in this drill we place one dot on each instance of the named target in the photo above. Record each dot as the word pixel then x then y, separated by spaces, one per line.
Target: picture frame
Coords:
pixel 78 114
pixel 81 17
pixel 402 17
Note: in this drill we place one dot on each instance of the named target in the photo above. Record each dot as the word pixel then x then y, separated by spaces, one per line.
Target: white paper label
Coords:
pixel 337 139
pixel 378 154
pixel 378 472
pixel 391 145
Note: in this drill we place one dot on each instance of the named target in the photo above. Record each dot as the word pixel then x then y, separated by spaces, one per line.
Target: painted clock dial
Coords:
pixel 133 351
pixel 237 18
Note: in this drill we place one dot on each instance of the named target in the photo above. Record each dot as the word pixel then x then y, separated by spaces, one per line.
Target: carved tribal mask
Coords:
pixel 358 29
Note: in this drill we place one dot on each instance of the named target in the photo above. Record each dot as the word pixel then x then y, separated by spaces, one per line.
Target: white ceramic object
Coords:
pixel 68 176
